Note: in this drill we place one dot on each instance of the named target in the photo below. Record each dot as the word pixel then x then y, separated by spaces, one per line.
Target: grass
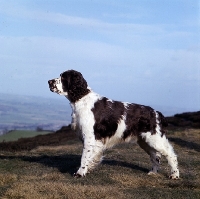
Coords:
pixel 15 135
pixel 45 172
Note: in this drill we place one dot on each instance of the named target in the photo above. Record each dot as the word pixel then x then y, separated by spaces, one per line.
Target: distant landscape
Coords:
pixel 29 113
pixel 18 112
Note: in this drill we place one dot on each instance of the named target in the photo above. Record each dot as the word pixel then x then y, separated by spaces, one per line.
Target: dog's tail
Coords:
pixel 162 119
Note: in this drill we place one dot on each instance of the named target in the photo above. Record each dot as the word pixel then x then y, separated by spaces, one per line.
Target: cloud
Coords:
pixel 51 51
pixel 19 12
pixel 126 33
pixel 22 12
pixel 144 61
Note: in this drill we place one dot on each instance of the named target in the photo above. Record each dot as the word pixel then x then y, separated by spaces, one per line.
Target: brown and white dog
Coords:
pixel 102 123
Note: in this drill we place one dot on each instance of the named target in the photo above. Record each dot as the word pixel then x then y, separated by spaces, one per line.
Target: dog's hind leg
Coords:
pixel 155 159
pixel 161 144
pixel 154 155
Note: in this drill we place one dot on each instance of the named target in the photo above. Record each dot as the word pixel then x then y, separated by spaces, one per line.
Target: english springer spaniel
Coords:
pixel 102 123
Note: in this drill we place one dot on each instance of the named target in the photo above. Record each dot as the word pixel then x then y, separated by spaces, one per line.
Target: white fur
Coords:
pixel 160 143
pixel 84 119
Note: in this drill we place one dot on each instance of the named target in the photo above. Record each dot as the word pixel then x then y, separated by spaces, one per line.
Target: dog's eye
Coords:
pixel 58 81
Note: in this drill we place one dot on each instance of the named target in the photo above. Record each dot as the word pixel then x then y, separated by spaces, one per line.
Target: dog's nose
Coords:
pixel 50 81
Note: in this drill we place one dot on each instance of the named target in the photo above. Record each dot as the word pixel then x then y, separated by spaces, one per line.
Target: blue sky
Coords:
pixel 141 51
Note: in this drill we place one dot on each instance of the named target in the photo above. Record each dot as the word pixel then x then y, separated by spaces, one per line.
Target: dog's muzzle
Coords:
pixel 52 85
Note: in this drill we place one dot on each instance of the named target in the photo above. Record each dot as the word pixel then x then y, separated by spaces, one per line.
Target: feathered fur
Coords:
pixel 102 123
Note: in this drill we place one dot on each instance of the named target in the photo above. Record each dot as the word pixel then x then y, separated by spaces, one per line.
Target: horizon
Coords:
pixel 136 51
pixel 62 100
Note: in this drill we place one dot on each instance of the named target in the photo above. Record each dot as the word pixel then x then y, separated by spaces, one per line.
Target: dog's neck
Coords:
pixel 85 101
pixel 75 97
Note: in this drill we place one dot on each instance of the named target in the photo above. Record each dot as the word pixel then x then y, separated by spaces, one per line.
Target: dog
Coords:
pixel 102 123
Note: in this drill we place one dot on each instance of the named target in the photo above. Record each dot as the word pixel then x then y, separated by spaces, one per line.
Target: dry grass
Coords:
pixel 46 172
pixel 59 190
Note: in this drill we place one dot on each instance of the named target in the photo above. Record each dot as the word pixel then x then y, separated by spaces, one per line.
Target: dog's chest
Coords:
pixel 82 116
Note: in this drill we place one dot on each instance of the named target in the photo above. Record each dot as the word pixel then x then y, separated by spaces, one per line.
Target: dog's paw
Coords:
pixel 77 175
pixel 80 173
pixel 174 177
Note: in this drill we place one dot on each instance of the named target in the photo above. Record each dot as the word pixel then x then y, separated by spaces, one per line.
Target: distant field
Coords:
pixel 27 113
pixel 15 135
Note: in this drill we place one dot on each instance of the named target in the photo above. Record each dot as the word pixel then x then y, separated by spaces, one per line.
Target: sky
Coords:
pixel 140 51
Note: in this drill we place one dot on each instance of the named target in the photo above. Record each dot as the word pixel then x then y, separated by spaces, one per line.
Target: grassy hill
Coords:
pixel 185 120
pixel 18 134
pixel 47 139
pixel 43 167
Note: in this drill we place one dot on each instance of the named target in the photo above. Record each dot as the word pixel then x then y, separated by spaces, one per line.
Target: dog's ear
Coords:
pixel 65 79
pixel 74 84
pixel 71 79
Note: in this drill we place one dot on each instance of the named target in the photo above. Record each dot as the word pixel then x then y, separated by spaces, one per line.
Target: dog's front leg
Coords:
pixel 87 155
pixel 74 119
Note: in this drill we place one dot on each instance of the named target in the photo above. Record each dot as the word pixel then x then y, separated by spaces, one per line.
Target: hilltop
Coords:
pixel 59 137
pixel 185 120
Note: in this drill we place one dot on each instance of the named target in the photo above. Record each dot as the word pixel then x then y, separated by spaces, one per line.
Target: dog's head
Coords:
pixel 70 84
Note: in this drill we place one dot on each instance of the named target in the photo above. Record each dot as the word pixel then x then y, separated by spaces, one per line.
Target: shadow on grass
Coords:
pixel 124 164
pixel 186 144
pixel 68 163
pixel 65 163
